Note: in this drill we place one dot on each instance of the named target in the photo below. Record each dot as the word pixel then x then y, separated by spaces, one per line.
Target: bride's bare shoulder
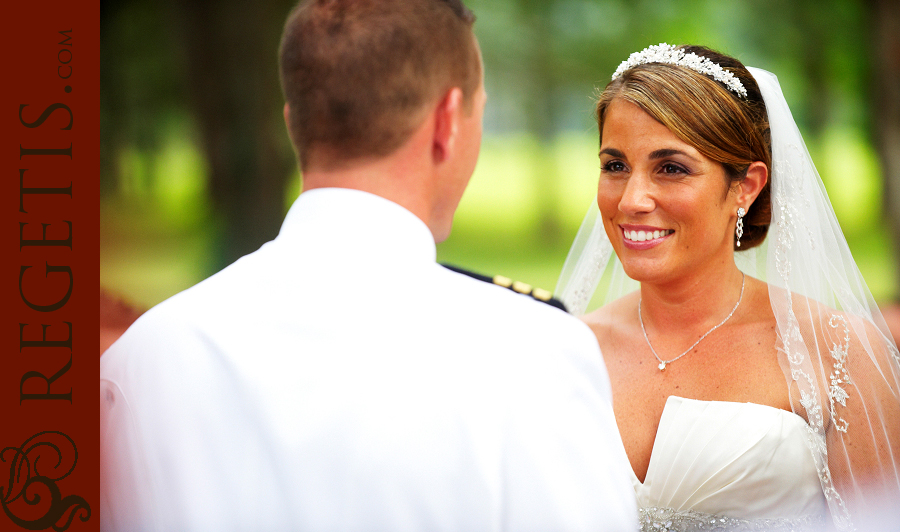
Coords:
pixel 837 340
pixel 612 316
pixel 810 315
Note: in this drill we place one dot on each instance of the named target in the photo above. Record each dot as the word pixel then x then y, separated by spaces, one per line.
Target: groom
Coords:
pixel 338 378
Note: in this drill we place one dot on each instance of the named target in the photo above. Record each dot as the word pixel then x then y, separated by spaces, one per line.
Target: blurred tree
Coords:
pixel 523 69
pixel 885 106
pixel 141 82
pixel 230 50
pixel 213 64
pixel 541 118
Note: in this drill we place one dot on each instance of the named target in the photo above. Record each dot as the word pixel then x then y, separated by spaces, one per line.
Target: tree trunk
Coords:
pixel 230 49
pixel 541 116
pixel 886 108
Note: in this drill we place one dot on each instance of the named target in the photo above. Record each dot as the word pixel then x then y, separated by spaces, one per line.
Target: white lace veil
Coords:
pixel 840 363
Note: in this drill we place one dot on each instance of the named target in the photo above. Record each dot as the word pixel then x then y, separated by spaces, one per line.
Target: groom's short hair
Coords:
pixel 358 74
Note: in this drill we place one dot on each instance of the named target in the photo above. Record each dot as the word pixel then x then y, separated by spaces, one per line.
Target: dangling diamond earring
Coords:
pixel 739 230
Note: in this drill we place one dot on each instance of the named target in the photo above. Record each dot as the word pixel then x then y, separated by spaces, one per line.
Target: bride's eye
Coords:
pixel 672 169
pixel 612 167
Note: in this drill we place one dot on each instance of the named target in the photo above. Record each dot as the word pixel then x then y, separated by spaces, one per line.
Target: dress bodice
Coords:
pixel 725 465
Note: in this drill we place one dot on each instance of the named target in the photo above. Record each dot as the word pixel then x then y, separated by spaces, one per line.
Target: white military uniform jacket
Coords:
pixel 339 379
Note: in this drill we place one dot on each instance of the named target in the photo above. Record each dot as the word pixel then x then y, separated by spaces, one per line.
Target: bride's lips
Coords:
pixel 643 236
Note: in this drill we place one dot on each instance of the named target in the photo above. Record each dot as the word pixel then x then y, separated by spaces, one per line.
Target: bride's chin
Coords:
pixel 645 273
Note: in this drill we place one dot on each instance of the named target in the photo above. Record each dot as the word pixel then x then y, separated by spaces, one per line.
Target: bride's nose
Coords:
pixel 637 197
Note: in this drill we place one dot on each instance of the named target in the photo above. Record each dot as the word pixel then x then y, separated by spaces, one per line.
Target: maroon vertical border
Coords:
pixel 49 265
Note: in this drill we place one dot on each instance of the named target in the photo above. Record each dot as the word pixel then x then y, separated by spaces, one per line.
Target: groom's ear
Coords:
pixel 447 115
pixel 287 124
pixel 752 184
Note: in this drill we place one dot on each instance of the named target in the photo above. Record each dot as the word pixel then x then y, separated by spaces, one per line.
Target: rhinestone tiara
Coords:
pixel 666 53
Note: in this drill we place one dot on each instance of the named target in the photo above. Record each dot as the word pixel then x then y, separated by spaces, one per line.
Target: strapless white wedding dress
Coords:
pixel 730 466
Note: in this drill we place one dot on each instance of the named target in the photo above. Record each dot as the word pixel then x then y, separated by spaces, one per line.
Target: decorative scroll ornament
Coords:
pixel 31 498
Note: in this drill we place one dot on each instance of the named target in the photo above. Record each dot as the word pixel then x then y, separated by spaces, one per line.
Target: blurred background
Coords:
pixel 197 169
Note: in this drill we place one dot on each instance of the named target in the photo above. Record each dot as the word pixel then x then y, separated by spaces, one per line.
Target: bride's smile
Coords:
pixel 643 237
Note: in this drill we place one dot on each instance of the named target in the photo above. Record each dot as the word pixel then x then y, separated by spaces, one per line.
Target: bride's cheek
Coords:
pixel 608 196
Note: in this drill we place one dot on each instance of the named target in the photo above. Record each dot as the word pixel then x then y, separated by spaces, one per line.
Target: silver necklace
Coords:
pixel 662 363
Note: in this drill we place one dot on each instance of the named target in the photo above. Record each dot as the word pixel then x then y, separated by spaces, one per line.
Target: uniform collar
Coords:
pixel 359 221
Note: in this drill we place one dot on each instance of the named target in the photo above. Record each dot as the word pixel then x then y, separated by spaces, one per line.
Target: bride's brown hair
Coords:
pixel 729 129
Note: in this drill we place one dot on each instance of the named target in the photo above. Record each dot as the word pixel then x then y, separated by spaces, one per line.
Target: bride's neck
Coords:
pixel 693 301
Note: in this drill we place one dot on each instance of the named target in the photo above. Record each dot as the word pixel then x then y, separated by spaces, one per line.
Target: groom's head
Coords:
pixel 359 76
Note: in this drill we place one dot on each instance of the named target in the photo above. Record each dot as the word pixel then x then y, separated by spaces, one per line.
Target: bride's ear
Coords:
pixel 750 187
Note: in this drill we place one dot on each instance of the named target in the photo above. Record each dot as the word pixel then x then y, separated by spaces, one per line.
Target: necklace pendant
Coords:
pixel 662 366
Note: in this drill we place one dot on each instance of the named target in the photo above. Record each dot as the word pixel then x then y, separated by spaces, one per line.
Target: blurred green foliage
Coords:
pixel 161 231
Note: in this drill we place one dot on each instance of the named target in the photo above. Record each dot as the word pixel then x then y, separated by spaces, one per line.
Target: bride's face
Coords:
pixel 666 207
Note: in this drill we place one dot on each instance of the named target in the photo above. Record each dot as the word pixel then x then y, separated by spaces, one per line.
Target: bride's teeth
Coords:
pixel 643 236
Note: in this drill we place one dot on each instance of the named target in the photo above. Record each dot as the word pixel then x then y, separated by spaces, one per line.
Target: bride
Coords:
pixel 754 384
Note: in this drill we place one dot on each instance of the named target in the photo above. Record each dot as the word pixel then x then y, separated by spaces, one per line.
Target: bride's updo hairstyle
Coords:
pixel 730 129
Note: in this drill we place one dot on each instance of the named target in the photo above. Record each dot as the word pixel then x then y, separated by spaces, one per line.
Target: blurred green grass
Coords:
pixel 158 231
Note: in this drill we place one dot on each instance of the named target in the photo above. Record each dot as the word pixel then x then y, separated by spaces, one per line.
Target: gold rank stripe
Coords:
pixel 522 288
pixel 505 282
pixel 539 294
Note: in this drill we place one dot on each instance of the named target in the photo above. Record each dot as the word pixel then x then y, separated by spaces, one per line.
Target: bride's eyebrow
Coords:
pixel 668 152
pixel 612 152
